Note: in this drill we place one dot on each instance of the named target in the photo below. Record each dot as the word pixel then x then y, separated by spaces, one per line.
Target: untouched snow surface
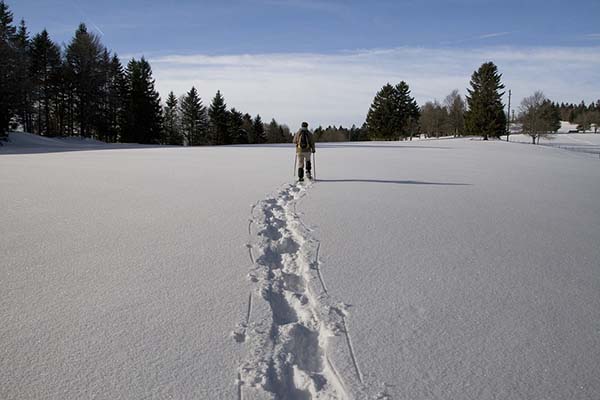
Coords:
pixel 587 143
pixel 433 269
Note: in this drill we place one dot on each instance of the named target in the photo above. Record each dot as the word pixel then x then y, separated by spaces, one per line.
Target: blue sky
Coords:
pixel 267 26
pixel 339 48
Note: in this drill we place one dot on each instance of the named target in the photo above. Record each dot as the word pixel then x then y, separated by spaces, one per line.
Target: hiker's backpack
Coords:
pixel 304 142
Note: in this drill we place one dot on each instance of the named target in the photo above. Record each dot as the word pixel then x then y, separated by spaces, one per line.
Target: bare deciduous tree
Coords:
pixel 539 116
pixel 455 106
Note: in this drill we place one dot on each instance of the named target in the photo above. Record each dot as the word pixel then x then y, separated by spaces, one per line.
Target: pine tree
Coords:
pixel 22 77
pixel 8 67
pixel 194 119
pixel 218 120
pixel 171 123
pixel 116 93
pixel 485 115
pixel 45 72
pixel 273 133
pixel 407 113
pixel 381 119
pixel 258 130
pixel 236 127
pixel 248 127
pixel 143 112
pixel 84 57
pixel 101 123
pixel 393 113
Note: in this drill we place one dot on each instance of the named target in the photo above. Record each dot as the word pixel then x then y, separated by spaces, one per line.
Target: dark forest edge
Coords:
pixel 84 90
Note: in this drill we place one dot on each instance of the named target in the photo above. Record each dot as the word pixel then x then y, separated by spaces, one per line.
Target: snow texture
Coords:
pixel 586 143
pixel 435 269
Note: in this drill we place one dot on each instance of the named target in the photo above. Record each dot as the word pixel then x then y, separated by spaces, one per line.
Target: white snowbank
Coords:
pixel 27 143
pixel 434 269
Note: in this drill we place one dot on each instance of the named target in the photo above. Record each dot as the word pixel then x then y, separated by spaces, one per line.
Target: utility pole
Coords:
pixel 508 119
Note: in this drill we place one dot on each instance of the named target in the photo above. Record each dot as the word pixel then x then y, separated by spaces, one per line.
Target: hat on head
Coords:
pixel 305 124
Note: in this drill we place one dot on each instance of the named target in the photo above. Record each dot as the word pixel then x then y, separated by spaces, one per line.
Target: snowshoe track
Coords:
pixel 293 331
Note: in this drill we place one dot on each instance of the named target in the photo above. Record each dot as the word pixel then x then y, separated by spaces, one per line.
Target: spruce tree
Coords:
pixel 485 115
pixel 258 130
pixel 407 112
pixel 115 93
pixel 236 127
pixel 84 57
pixel 46 68
pixel 217 113
pixel 248 127
pixel 143 112
pixel 22 77
pixel 8 67
pixel 381 119
pixel 194 119
pixel 272 132
pixel 171 124
pixel 393 113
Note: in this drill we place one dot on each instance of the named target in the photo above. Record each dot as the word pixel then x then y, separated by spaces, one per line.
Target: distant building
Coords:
pixel 567 127
pixel 515 128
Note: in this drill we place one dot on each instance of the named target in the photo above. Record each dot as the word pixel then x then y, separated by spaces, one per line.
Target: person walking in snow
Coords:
pixel 305 145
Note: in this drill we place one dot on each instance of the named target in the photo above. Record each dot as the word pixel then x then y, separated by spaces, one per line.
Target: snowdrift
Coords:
pixel 26 143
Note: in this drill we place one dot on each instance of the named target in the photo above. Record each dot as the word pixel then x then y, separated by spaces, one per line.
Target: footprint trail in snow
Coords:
pixel 298 345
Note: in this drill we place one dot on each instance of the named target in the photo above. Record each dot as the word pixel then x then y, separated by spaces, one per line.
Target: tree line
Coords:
pixel 394 114
pixel 84 90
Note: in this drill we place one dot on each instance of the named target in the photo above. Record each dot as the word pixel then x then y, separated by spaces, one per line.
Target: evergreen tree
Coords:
pixel 381 120
pixel 85 59
pixel 171 123
pixel 115 99
pixel 23 79
pixel 485 115
pixel 194 119
pixel 258 130
pixel 236 127
pixel 275 133
pixel 393 113
pixel 8 68
pixel 407 113
pixel 45 73
pixel 143 113
pixel 248 127
pixel 217 113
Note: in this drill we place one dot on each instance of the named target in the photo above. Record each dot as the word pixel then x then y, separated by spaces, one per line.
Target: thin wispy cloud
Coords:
pixel 87 19
pixel 338 88
pixel 478 37
pixel 493 35
pixel 316 5
pixel 595 36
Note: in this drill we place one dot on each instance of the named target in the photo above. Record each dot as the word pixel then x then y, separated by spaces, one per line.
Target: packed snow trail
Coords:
pixel 293 329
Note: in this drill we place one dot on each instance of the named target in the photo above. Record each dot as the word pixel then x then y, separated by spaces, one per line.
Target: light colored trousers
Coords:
pixel 302 158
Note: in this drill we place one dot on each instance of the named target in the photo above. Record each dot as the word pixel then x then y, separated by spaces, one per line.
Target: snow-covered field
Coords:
pixel 438 269
pixel 588 143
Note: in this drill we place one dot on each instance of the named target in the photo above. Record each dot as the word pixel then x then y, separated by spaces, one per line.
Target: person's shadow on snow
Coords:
pixel 406 182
